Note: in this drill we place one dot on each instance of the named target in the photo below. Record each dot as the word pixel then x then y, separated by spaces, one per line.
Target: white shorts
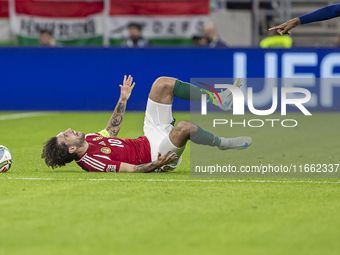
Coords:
pixel 157 126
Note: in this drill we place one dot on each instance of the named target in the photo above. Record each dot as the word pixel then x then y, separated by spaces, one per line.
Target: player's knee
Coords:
pixel 162 90
pixel 164 82
pixel 183 127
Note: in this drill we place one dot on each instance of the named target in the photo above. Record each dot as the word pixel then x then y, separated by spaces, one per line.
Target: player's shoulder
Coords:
pixel 92 136
pixel 97 136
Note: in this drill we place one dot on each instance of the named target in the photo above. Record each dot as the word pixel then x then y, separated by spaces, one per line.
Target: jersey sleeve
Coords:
pixel 95 163
pixel 327 12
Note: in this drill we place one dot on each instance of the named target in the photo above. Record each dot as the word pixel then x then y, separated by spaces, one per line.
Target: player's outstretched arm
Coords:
pixel 115 122
pixel 145 168
pixel 327 12
pixel 284 28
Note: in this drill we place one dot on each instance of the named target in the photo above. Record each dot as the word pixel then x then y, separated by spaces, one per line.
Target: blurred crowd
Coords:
pixel 208 38
pixel 202 33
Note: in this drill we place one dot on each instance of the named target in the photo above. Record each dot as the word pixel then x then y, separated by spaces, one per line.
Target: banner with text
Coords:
pixel 71 22
pixel 163 22
pixel 5 33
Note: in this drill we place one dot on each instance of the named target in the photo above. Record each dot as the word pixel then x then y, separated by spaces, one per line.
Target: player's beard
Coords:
pixel 80 141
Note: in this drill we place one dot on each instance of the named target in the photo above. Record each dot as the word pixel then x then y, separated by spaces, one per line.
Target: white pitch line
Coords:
pixel 165 180
pixel 22 115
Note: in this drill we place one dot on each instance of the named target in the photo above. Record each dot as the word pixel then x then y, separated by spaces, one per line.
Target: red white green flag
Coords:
pixel 164 22
pixel 5 34
pixel 72 22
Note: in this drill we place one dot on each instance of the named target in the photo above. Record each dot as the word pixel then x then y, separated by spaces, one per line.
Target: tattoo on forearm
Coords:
pixel 112 133
pixel 116 121
pixel 144 168
pixel 121 108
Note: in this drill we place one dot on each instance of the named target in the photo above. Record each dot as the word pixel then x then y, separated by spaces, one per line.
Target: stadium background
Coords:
pixel 79 70
pixel 69 211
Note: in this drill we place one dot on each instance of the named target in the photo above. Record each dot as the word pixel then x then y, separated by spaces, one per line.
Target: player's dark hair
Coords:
pixel 57 155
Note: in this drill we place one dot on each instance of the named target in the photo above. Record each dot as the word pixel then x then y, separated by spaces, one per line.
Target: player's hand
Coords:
pixel 167 158
pixel 284 28
pixel 126 88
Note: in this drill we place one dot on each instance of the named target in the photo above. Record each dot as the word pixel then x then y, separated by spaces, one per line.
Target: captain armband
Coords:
pixel 104 132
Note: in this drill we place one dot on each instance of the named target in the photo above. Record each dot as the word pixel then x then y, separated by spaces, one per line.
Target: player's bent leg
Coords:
pixel 165 146
pixel 162 90
pixel 187 91
pixel 186 130
pixel 180 134
pixel 175 142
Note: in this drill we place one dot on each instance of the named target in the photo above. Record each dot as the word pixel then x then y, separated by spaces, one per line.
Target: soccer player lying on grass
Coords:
pixel 161 146
pixel 328 12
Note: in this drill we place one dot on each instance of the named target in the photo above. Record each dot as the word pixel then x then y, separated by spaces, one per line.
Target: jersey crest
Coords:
pixel 105 150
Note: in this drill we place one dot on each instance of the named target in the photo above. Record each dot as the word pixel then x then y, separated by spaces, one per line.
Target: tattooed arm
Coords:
pixel 115 122
pixel 148 167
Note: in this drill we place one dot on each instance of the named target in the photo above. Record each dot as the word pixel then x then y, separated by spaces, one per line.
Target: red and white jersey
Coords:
pixel 105 154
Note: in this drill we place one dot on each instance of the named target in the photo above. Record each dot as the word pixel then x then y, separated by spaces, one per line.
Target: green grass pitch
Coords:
pixel 70 211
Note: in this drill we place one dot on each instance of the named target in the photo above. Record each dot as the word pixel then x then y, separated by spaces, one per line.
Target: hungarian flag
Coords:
pixel 163 22
pixel 5 33
pixel 71 22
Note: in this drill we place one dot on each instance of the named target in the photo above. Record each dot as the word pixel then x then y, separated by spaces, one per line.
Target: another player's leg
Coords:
pixel 164 89
pixel 186 130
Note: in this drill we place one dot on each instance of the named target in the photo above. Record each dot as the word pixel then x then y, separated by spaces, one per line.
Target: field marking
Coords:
pixel 22 115
pixel 164 180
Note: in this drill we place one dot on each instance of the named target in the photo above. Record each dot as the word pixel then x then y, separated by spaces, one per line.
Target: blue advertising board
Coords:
pixel 88 78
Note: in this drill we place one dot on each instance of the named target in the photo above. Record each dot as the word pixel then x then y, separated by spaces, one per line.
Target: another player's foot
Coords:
pixel 227 97
pixel 238 143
